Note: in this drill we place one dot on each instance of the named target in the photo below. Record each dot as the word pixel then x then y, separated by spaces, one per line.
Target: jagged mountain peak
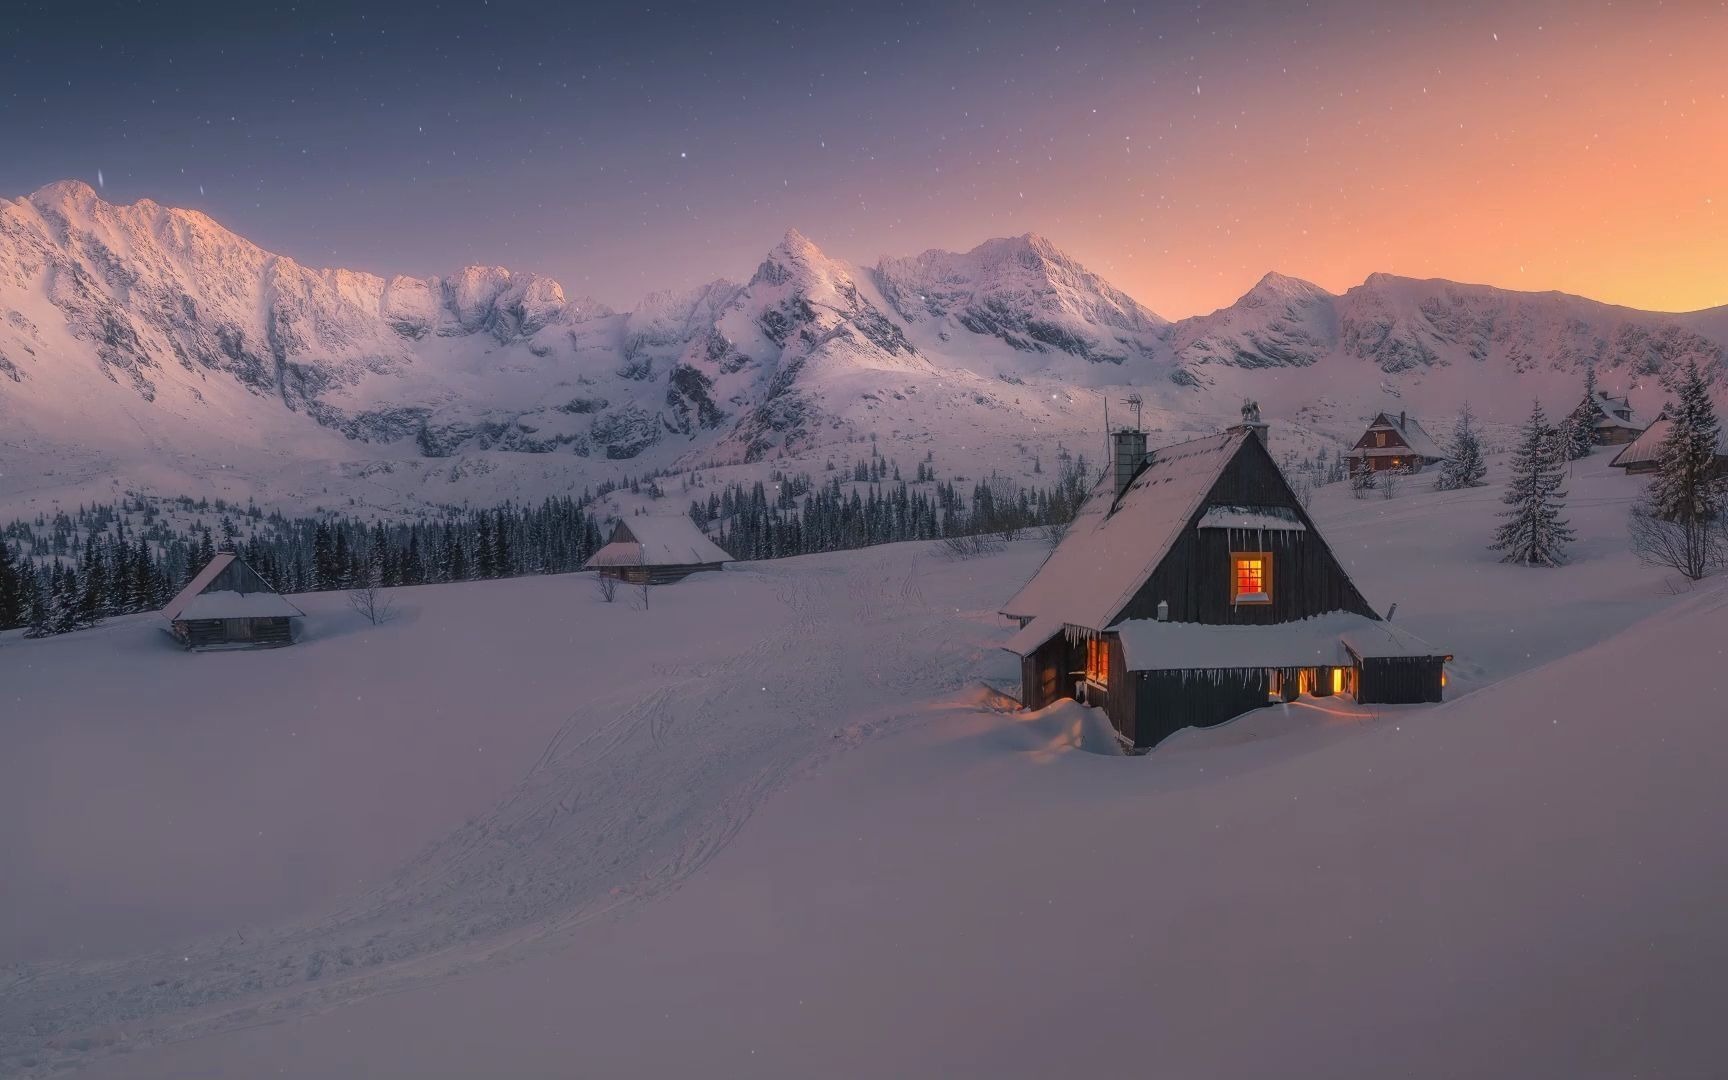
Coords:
pixel 1026 292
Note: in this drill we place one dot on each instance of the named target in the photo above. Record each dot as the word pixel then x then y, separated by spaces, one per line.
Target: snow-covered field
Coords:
pixel 771 826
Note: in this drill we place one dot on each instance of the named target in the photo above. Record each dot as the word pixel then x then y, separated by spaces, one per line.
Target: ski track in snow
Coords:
pixel 607 817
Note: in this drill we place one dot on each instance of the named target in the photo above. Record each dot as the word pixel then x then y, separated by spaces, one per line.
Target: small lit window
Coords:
pixel 1251 577
pixel 1379 438
pixel 1098 661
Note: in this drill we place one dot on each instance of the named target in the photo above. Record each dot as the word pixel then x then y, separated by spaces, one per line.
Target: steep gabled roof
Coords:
pixel 253 600
pixel 1115 544
pixel 1415 437
pixel 1613 411
pixel 658 540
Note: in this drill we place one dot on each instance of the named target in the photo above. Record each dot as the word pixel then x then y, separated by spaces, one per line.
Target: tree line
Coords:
pixel 74 570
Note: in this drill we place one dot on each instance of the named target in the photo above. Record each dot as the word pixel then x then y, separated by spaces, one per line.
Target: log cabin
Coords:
pixel 1193 587
pixel 227 605
pixel 656 549
pixel 1611 419
pixel 1394 443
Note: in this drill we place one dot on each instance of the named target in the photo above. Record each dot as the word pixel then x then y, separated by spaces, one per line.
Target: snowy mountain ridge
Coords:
pixel 150 347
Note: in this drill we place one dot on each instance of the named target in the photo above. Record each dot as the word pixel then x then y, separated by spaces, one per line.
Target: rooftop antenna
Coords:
pixel 1134 401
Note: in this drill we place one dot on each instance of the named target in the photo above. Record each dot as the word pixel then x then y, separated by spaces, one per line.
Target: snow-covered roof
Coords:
pixel 228 604
pixel 658 540
pixel 1149 645
pixel 1646 449
pixel 1028 638
pixel 1260 518
pixel 1416 438
pixel 1614 411
pixel 1114 544
pixel 194 602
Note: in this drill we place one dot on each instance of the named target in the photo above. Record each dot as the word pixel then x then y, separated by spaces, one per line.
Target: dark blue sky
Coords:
pixel 627 148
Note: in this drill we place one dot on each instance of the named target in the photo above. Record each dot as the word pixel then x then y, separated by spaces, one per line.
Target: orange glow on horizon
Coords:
pixel 1585 150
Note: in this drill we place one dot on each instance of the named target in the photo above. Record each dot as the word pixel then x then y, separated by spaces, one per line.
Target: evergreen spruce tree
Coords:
pixel 1464 468
pixel 1682 520
pixel 11 590
pixel 1686 488
pixel 37 609
pixel 1533 532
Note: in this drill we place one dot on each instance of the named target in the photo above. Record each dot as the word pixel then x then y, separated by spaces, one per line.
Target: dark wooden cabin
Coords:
pixel 1611 419
pixel 1394 443
pixel 1644 454
pixel 228 606
pixel 1193 587
pixel 656 549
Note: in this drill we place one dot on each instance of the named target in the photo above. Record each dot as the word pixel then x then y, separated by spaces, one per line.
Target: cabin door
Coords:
pixel 237 629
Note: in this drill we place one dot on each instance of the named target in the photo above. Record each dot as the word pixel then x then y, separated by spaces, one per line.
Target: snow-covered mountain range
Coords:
pixel 146 347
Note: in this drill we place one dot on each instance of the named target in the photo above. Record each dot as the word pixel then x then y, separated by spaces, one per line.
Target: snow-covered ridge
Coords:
pixel 150 345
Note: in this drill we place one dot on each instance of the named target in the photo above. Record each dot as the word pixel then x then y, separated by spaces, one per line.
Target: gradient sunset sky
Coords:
pixel 1180 150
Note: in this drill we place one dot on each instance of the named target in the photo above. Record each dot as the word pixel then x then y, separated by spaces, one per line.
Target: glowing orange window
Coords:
pixel 1098 661
pixel 1251 577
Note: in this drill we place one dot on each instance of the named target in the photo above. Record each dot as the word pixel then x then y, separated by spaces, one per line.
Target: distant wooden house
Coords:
pixel 1611 419
pixel 1193 587
pixel 1644 454
pixel 1394 443
pixel 656 549
pixel 228 606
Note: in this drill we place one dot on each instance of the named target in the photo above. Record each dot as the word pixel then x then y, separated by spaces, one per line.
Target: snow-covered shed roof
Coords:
pixel 658 540
pixel 1644 449
pixel 1320 641
pixel 1260 518
pixel 1114 544
pixel 252 599
pixel 1415 437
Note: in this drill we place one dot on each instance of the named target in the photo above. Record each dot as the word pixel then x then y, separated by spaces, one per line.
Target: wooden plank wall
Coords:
pixel 1194 577
pixel 1400 681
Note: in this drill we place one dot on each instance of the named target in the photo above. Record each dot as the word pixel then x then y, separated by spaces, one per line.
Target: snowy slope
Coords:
pixel 1523 883
pixel 833 829
pixel 148 348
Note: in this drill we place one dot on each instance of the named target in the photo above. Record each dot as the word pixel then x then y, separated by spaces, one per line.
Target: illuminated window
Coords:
pixel 1379 438
pixel 1098 661
pixel 1251 577
pixel 1337 680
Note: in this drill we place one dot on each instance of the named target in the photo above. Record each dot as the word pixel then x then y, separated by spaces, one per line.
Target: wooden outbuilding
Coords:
pixel 1394 443
pixel 656 549
pixel 1644 454
pixel 228 606
pixel 1193 587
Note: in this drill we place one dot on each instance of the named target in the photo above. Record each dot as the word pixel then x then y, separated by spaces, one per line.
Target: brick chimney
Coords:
pixel 1129 447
